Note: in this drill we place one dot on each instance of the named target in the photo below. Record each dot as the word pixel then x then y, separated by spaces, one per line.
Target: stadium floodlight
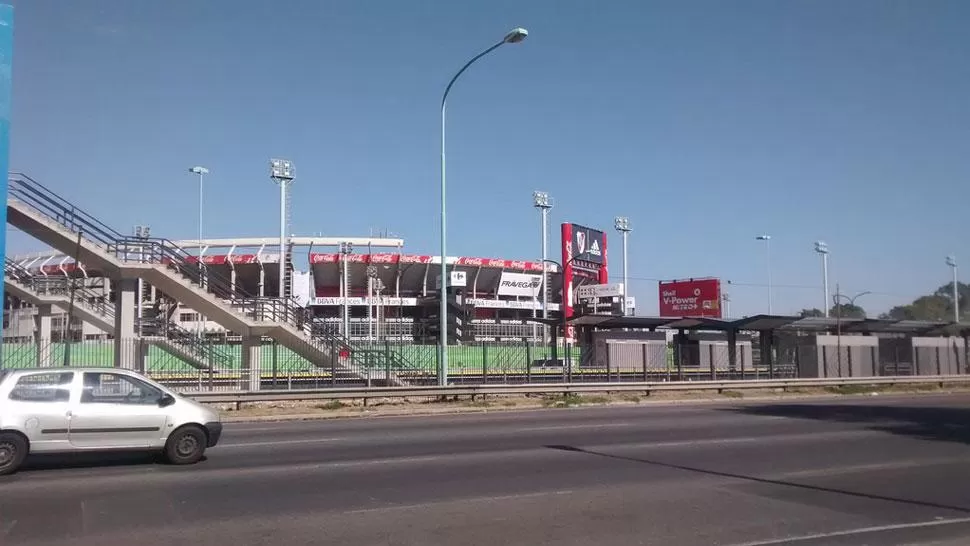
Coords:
pixel 767 239
pixel 540 200
pixel 281 169
pixel 622 224
pixel 515 36
pixel 282 172
pixel 823 250
pixel 952 262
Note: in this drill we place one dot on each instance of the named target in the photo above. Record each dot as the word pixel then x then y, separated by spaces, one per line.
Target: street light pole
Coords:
pixel 837 298
pixel 823 250
pixel 622 224
pixel 513 37
pixel 952 262
pixel 767 239
pixel 200 320
pixel 541 201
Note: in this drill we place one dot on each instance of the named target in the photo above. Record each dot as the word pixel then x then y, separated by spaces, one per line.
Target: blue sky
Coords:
pixel 706 122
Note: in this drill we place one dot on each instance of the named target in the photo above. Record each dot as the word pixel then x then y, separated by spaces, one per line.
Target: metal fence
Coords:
pixel 482 363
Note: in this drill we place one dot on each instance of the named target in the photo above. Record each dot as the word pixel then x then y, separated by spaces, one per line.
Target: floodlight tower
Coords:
pixel 281 172
pixel 622 224
pixel 541 201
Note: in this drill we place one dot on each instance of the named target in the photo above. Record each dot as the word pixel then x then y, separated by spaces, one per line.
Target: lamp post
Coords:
pixel 837 298
pixel 767 239
pixel 823 251
pixel 565 325
pixel 346 249
pixel 952 262
pixel 281 172
pixel 543 203
pixel 513 37
pixel 200 322
pixel 622 224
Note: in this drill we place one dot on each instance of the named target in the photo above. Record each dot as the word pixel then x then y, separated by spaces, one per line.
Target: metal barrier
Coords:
pixel 564 388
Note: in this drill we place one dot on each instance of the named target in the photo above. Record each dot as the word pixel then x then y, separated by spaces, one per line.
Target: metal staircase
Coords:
pixel 50 218
pixel 94 308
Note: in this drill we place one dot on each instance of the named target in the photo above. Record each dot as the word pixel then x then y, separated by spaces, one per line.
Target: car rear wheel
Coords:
pixel 185 446
pixel 13 451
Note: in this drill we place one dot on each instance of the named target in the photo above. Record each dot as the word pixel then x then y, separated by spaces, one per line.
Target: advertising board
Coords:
pixel 520 284
pixel 591 291
pixel 583 255
pixel 690 298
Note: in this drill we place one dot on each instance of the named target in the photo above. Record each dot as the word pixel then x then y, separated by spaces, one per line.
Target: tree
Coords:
pixel 847 310
pixel 814 312
pixel 946 292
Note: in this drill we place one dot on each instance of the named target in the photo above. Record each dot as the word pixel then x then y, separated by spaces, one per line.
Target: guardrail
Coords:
pixel 239 398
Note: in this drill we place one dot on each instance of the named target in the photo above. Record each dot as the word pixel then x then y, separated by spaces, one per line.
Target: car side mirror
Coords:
pixel 166 400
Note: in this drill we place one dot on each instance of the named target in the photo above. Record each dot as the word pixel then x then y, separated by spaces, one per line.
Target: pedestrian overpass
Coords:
pixel 53 220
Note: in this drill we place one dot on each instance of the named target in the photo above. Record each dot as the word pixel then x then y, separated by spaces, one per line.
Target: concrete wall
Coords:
pixel 858 357
pixel 939 356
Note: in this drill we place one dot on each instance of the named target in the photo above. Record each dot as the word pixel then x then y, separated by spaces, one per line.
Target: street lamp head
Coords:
pixel 516 36
pixel 622 224
pixel 199 170
pixel 951 261
pixel 540 199
pixel 821 247
pixel 281 169
pixel 763 237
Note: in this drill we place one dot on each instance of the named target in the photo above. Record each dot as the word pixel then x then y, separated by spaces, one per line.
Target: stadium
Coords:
pixel 309 306
pixel 376 293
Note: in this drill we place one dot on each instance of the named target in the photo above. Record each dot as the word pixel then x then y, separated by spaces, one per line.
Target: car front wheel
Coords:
pixel 185 446
pixel 13 451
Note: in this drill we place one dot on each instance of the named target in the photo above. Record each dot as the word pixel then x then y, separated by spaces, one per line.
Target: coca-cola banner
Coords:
pixel 520 284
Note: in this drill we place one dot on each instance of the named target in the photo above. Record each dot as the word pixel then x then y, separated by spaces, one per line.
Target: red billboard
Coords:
pixel 583 257
pixel 691 298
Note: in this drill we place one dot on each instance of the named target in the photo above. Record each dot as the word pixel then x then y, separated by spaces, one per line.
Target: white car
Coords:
pixel 70 410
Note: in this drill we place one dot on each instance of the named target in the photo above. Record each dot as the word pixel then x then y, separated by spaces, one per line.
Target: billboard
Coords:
pixel 690 298
pixel 583 260
pixel 520 284
pixel 587 245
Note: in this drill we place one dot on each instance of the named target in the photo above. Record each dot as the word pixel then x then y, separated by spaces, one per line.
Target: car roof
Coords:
pixel 55 369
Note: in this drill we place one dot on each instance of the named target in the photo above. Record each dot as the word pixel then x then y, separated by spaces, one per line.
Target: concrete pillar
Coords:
pixel 127 352
pixel 251 351
pixel 42 335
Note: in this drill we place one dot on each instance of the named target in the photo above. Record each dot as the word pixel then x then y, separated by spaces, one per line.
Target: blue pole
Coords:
pixel 6 63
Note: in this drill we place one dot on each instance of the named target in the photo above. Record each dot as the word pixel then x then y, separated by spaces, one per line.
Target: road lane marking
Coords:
pixel 281 442
pixel 871 467
pixel 858 531
pixel 568 427
pixel 739 440
pixel 458 501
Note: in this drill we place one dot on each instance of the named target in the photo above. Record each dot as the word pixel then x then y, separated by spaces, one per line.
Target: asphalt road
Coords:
pixel 879 470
